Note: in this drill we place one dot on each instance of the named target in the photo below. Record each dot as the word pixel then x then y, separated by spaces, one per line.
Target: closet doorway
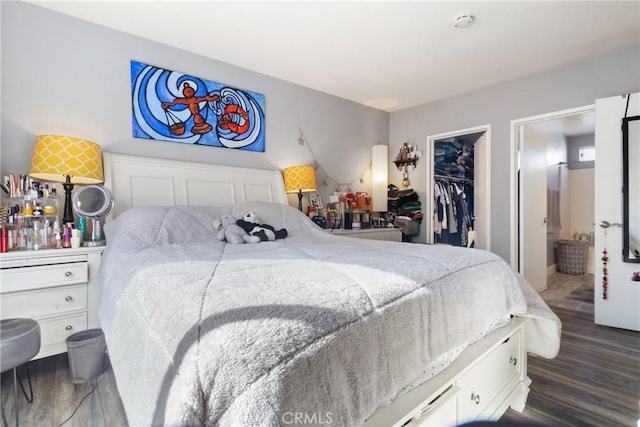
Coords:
pixel 553 191
pixel 460 162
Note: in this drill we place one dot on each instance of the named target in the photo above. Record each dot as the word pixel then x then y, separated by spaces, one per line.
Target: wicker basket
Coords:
pixel 572 256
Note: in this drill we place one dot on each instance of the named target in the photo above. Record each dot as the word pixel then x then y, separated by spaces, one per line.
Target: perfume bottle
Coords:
pixel 66 236
pixel 81 223
pixel 36 236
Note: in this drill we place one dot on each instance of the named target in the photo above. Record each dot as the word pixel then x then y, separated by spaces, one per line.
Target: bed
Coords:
pixel 313 329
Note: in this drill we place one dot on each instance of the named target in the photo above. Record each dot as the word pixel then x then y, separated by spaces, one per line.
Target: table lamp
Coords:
pixel 299 179
pixel 68 160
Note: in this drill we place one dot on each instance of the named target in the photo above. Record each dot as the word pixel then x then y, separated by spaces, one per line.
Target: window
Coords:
pixel 587 154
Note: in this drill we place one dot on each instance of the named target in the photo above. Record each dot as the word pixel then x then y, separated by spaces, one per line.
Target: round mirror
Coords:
pixel 92 201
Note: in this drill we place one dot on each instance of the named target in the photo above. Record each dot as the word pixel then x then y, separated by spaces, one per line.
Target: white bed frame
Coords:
pixel 143 181
pixel 481 384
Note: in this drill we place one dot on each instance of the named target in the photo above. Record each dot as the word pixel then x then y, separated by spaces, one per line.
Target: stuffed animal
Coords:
pixel 228 230
pixel 264 232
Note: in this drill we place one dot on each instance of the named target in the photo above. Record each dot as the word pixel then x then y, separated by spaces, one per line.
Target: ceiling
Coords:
pixel 568 125
pixel 384 54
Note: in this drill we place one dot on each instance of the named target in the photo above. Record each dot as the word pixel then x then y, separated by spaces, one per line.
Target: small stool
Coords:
pixel 19 343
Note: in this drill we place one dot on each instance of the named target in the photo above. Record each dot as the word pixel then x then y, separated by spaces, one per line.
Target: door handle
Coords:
pixel 544 220
pixel 607 224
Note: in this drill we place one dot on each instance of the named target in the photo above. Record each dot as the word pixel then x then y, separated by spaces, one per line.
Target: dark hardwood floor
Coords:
pixel 594 381
pixel 56 397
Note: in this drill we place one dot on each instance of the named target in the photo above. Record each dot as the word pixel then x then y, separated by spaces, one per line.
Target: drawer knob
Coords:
pixel 68 327
pixel 475 398
pixel 513 360
pixel 68 274
pixel 69 298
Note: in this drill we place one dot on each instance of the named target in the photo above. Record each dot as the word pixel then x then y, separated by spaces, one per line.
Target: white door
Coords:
pixel 621 309
pixel 480 192
pixel 533 207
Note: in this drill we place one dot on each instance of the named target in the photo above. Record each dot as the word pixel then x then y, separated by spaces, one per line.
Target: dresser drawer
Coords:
pixel 55 330
pixel 44 302
pixel 485 380
pixel 22 279
pixel 440 412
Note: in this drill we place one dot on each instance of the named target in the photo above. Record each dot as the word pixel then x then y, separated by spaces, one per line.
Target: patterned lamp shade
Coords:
pixel 57 157
pixel 299 178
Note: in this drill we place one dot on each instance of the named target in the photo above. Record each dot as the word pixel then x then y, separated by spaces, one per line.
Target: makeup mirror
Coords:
pixel 631 188
pixel 93 202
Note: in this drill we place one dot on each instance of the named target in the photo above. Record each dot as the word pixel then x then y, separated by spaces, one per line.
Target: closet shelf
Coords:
pixel 407 162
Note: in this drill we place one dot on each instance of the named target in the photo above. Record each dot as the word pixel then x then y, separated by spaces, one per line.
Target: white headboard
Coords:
pixel 144 181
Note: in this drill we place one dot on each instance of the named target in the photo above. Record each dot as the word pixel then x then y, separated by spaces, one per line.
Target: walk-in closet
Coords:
pixel 459 189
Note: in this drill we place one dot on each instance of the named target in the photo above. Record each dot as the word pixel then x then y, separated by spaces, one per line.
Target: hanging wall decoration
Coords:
pixel 407 157
pixel 176 107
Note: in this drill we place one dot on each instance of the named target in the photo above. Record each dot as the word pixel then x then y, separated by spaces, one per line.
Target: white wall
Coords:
pixel 65 76
pixel 571 86
pixel 582 200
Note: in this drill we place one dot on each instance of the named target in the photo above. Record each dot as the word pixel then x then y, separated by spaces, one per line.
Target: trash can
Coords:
pixel 572 256
pixel 86 355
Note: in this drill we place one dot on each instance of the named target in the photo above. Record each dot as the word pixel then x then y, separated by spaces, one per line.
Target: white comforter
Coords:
pixel 201 332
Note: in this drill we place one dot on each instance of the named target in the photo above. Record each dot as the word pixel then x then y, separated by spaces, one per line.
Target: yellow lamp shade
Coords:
pixel 299 178
pixel 55 157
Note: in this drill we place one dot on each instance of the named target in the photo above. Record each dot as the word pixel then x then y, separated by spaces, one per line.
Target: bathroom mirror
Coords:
pixel 631 188
pixel 93 202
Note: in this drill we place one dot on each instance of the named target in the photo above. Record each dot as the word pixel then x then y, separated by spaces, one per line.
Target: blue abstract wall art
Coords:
pixel 172 106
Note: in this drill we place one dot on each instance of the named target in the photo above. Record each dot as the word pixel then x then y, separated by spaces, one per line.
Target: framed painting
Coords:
pixel 176 107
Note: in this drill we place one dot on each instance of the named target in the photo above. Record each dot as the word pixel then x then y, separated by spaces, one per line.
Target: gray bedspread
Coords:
pixel 200 332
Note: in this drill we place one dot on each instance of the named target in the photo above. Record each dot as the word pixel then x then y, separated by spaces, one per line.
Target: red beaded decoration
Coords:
pixel 605 280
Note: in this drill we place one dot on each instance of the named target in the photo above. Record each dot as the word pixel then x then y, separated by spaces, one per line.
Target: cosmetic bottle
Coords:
pixel 29 238
pixel 57 235
pixel 46 234
pixel 75 238
pixel 36 236
pixel 4 239
pixel 82 226
pixel 22 238
pixel 66 237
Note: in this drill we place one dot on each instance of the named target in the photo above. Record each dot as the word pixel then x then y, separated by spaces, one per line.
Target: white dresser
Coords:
pixel 56 287
pixel 487 378
pixel 391 234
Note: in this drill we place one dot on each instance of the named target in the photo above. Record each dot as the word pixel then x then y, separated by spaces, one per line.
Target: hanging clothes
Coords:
pixel 452 216
pixel 453 191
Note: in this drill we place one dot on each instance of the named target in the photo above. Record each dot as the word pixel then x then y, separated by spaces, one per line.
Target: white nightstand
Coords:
pixel 56 287
pixel 391 234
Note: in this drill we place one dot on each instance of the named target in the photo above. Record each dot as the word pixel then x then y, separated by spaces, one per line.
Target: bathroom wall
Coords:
pixel 573 150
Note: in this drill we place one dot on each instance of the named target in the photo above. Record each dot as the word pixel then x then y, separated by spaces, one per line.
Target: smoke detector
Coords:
pixel 463 21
